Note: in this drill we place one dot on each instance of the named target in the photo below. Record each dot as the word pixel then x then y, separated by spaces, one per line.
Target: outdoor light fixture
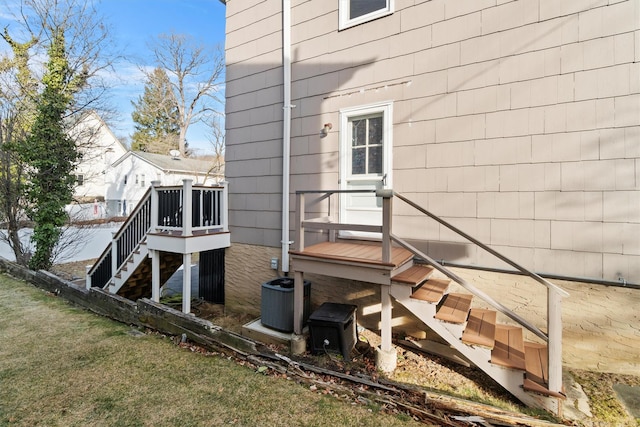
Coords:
pixel 325 130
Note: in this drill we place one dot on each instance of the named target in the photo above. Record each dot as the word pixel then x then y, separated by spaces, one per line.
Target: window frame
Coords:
pixel 345 22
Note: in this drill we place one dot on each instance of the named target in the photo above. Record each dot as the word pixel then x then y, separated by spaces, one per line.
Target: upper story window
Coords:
pixel 354 12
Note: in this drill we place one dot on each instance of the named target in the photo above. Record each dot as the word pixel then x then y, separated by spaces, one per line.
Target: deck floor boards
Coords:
pixel 355 252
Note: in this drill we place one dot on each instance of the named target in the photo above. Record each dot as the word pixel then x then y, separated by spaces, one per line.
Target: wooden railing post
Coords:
pixel 299 221
pixel 187 207
pixel 554 328
pixel 154 206
pixel 387 208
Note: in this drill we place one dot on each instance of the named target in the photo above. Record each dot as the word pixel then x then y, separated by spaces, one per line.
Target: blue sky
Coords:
pixel 134 23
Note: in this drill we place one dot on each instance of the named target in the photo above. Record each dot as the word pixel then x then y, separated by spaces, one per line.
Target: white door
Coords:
pixel 365 163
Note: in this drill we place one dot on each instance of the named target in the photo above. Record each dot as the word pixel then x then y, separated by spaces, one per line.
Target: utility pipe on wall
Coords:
pixel 286 130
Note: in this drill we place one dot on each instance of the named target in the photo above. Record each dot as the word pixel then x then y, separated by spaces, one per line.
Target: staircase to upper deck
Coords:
pixel 173 221
pixel 481 329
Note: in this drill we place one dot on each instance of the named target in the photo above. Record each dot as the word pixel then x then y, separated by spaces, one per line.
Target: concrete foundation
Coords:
pixel 298 344
pixel 386 361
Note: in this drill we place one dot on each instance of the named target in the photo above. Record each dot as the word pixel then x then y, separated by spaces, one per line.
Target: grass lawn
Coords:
pixel 62 366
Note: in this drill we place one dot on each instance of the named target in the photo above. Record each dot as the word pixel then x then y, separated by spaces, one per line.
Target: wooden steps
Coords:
pixel 414 275
pixel 508 350
pixel 455 308
pixel 498 349
pixel 536 377
pixel 481 328
pixel 432 290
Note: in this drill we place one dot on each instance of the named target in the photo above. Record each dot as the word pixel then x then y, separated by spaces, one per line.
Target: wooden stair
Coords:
pixel 455 308
pixel 505 343
pixel 432 290
pixel 481 328
pixel 497 349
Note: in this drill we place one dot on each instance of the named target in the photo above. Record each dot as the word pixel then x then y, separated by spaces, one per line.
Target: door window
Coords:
pixel 366 145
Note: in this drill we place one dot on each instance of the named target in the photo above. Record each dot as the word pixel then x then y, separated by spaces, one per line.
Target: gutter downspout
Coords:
pixel 286 130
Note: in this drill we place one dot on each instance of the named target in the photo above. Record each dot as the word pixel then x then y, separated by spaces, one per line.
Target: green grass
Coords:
pixel 62 366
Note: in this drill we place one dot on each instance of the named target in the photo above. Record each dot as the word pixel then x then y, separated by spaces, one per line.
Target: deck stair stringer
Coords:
pixel 128 268
pixel 510 379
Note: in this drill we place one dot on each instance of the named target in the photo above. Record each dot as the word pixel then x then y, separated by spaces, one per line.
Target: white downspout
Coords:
pixel 286 131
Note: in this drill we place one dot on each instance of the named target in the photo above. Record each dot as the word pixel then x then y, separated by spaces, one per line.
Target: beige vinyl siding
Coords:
pixel 518 121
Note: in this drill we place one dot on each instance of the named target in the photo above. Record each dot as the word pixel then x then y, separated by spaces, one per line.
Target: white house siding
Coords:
pixel 518 121
pixel 98 148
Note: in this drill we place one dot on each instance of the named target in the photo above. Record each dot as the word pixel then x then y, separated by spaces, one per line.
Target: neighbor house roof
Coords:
pixel 169 164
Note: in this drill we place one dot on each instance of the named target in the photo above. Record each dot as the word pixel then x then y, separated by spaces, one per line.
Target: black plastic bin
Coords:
pixel 333 329
pixel 276 308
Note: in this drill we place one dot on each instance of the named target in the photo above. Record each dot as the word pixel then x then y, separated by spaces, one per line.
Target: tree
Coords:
pixel 17 90
pixel 52 154
pixel 216 139
pixel 195 75
pixel 156 116
pixel 37 104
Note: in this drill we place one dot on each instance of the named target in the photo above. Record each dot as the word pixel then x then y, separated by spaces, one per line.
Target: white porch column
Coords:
pixel 155 275
pixel 186 283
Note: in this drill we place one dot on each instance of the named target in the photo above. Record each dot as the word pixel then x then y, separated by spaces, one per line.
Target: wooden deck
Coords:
pixel 356 253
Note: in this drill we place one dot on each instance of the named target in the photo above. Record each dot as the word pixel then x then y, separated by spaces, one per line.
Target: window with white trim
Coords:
pixel 354 12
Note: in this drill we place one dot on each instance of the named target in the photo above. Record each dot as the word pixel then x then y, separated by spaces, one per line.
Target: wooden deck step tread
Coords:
pixel 432 291
pixel 536 362
pixel 481 328
pixel 537 388
pixel 508 350
pixel 455 308
pixel 414 275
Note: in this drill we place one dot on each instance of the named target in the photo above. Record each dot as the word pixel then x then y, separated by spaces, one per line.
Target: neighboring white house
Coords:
pixel 130 176
pixel 112 180
pixel 99 148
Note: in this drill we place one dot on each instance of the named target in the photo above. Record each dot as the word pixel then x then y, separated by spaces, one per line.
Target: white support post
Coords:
pixel 186 283
pixel 386 357
pixel 187 207
pixel 155 275
pixel 87 281
pixel 385 319
pixel 114 255
pixel 154 206
pixel 554 326
pixel 225 206
pixel 298 302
